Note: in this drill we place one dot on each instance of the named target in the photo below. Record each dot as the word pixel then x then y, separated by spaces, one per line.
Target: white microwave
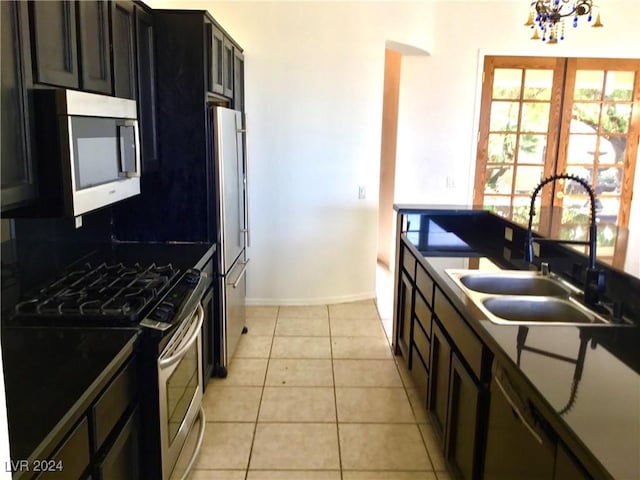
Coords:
pixel 88 149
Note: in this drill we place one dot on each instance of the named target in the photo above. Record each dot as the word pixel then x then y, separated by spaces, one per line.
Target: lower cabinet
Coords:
pixel 455 403
pixel 405 309
pixel 463 417
pixel 121 461
pixel 439 381
pixel 104 443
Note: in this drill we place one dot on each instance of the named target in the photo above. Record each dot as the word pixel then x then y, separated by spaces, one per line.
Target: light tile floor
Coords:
pixel 314 393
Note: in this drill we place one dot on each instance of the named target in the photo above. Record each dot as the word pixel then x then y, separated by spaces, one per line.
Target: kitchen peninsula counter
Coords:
pixel 592 401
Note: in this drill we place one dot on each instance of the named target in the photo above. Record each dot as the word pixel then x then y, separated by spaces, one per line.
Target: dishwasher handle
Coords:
pixel 517 406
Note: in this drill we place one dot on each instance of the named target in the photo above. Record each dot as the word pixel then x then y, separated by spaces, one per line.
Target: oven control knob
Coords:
pixel 161 314
pixel 192 277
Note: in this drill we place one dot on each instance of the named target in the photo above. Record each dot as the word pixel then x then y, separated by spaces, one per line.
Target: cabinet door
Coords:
pixel 217 61
pixel 462 422
pixel 228 63
pixel 238 80
pixel 405 307
pixel 515 448
pixel 439 379
pixel 124 71
pixel 18 184
pixel 53 27
pixel 94 46
pixel 145 50
pixel 122 459
pixel 72 457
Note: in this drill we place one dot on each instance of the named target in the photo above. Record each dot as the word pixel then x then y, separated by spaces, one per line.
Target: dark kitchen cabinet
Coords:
pixel 238 80
pixel 18 178
pixel 184 185
pixel 228 64
pixel 53 29
pixel 134 64
pixel 95 54
pixel 216 59
pixel 463 421
pixel 124 63
pixel 122 460
pixel 71 44
pixel 438 395
pixel 104 443
pixel 146 67
pixel 405 305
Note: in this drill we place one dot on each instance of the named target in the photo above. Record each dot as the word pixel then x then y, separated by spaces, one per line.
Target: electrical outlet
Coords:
pixel 451 183
pixel 362 192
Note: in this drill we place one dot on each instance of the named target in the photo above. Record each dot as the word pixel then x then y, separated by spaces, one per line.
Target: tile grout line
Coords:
pixel 264 381
pixel 335 395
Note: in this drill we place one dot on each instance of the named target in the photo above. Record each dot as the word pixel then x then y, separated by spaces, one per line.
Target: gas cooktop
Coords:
pixel 97 294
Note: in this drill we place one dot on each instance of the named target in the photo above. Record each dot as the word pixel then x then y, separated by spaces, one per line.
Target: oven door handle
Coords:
pixel 196 451
pixel 176 357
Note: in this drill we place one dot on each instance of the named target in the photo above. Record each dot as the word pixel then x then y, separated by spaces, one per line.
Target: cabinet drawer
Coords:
pixel 467 343
pixel 420 343
pixel 425 285
pixel 408 262
pixel 423 314
pixel 122 461
pixel 72 456
pixel 113 402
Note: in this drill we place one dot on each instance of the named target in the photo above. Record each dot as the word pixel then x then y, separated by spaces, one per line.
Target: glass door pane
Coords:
pixel 601 109
pixel 515 132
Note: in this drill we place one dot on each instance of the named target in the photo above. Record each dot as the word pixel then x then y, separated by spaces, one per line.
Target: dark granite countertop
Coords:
pixel 51 378
pixel 602 423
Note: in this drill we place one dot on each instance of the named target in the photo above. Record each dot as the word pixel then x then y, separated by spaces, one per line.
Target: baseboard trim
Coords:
pixel 310 301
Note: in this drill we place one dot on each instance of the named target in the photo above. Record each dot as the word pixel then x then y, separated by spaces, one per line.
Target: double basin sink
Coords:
pixel 526 298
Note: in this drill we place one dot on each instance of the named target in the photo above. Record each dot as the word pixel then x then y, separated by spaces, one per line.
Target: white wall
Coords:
pixel 314 88
pixel 439 94
pixel 314 80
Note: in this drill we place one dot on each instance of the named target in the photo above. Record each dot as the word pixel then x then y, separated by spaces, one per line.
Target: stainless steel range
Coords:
pixel 167 304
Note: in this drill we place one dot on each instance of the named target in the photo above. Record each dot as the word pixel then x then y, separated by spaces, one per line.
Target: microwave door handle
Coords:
pixel 126 125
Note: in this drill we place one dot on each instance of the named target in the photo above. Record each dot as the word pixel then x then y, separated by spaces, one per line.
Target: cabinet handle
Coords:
pixel 518 413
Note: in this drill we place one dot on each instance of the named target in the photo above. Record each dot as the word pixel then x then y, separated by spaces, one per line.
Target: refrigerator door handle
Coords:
pixel 245 176
pixel 241 274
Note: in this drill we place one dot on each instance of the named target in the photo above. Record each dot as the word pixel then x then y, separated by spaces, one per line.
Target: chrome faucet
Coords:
pixel 594 281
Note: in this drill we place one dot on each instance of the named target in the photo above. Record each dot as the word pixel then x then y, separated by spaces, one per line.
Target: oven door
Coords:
pixel 180 391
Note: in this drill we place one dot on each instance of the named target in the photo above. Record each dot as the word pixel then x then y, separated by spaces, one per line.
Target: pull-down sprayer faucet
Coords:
pixel 594 282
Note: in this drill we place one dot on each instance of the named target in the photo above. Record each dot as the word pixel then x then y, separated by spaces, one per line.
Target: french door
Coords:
pixel 543 115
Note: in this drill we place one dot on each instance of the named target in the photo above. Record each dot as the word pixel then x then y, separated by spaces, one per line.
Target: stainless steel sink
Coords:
pixel 539 310
pixel 515 297
pixel 514 283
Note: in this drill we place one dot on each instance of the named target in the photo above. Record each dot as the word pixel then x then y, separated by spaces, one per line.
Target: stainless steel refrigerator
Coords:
pixel 230 173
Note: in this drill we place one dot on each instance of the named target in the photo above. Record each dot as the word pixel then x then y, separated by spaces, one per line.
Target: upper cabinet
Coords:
pixel 53 29
pixel 146 71
pixel 224 63
pixel 95 58
pixel 71 44
pixel 18 185
pixel 124 63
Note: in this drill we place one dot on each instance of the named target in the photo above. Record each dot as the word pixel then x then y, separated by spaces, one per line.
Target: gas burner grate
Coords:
pixel 106 292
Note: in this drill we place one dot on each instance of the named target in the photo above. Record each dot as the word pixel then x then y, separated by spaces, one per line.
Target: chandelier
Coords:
pixel 547 17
